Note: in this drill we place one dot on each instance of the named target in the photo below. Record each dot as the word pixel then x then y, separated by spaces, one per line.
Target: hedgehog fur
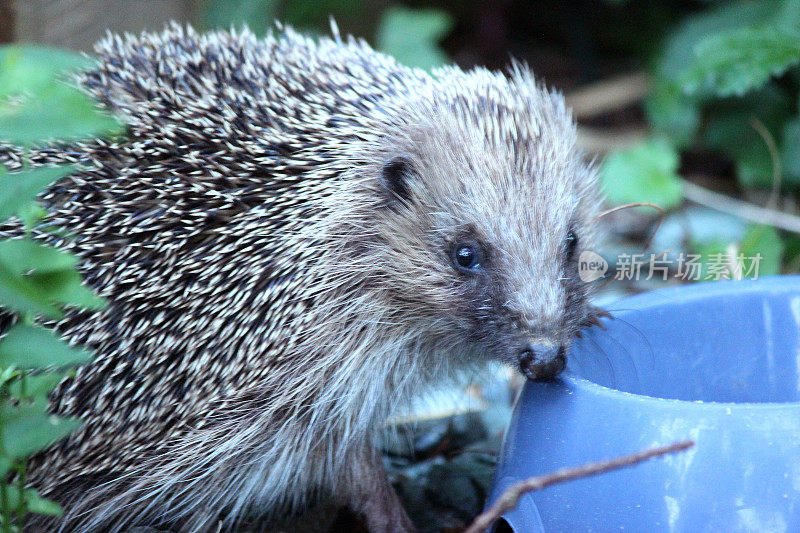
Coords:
pixel 274 236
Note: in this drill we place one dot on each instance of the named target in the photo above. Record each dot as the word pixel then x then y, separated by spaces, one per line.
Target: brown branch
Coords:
pixel 603 97
pixel 597 141
pixel 662 215
pixel 510 497
pixel 607 95
pixel 777 175
pixel 746 210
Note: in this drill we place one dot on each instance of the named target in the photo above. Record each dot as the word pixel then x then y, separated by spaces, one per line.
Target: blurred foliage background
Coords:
pixel 689 105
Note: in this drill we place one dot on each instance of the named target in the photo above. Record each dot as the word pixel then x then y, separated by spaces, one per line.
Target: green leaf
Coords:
pixel 36 385
pixel 315 16
pixel 32 69
pixel 35 503
pixel 21 294
pixel 740 60
pixel 32 214
pixel 36 102
pixel 412 35
pixel 790 151
pixel 8 374
pixel 31 429
pixel 710 252
pixel 671 111
pixel 258 15
pixel 791 249
pixel 729 128
pixel 39 505
pixel 61 113
pixel 644 173
pixel 67 288
pixel 762 247
pixel 760 250
pixel 17 190
pixel 29 347
pixel 754 165
pixel 678 53
pixel 23 255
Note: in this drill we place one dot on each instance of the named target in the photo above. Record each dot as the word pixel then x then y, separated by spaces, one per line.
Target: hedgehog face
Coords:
pixel 506 212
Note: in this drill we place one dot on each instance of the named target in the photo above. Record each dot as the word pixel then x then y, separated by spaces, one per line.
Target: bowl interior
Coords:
pixel 721 342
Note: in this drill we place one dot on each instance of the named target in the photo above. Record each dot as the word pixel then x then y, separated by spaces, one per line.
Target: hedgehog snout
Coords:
pixel 542 362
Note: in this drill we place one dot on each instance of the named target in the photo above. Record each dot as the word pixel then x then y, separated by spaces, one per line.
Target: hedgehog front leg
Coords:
pixel 370 494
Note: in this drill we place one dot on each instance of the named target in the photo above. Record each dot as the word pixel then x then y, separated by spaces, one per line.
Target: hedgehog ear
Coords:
pixel 395 176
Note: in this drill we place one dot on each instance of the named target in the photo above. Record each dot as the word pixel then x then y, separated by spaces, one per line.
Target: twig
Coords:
pixel 739 208
pixel 662 215
pixel 777 175
pixel 603 97
pixel 598 142
pixel 510 497
pixel 607 95
pixel 661 211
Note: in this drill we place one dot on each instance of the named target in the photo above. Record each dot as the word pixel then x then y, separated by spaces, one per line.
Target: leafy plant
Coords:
pixel 737 61
pixel 37 281
pixel 412 35
pixel 727 80
pixel 672 112
pixel 717 72
pixel 645 173
pixel 260 15
pixel 38 104
pixel 765 243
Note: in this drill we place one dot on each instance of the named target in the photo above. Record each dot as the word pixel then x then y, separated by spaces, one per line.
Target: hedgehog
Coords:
pixel 295 236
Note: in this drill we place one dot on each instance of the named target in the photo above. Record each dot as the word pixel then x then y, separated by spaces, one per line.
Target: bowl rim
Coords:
pixel 689 293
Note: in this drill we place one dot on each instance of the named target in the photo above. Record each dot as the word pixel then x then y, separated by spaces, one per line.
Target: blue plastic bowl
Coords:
pixel 716 363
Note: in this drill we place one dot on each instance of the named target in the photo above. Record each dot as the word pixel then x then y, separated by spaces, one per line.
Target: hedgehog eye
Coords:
pixel 572 244
pixel 467 257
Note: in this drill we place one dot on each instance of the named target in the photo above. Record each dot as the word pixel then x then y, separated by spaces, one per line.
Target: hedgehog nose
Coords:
pixel 542 362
